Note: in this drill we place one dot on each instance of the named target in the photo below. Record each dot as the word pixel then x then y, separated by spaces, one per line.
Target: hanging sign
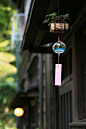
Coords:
pixel 58 71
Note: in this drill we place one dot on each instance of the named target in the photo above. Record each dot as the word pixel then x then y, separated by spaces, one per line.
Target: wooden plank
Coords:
pixel 41 50
pixel 66 109
pixel 28 23
pixel 33 94
pixel 74 86
pixel 41 89
pixel 63 111
pixel 78 124
pixel 42 27
pixel 66 88
pixel 84 68
pixel 38 39
pixel 69 107
pixel 79 76
pixel 48 94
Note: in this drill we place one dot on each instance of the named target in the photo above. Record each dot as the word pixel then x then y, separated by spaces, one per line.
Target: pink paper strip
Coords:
pixel 58 70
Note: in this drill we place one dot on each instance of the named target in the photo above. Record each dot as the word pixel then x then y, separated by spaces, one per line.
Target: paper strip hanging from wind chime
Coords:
pixel 58 70
pixel 59 47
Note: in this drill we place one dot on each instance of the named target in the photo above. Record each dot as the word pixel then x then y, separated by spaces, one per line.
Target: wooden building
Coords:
pixel 49 106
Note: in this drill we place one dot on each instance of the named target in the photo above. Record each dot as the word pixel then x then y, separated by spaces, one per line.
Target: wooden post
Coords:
pixel 79 76
pixel 48 94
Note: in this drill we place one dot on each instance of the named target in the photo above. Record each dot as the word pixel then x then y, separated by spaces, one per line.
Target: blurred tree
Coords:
pixel 7 66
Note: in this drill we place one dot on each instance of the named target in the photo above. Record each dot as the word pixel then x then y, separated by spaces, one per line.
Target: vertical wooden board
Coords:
pixel 66 109
pixel 84 68
pixel 63 111
pixel 77 127
pixel 48 92
pixel 79 76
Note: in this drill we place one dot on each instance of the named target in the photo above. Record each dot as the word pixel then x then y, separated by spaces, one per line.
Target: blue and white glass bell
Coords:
pixel 59 47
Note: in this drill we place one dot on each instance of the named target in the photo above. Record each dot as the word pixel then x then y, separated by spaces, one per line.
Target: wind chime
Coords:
pixel 58 24
pixel 59 47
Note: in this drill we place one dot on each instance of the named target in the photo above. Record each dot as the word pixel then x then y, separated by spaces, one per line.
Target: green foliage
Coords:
pixel 7 57
pixel 7 32
pixel 6 12
pixel 7 70
pixel 4 43
pixel 3 78
pixel 53 17
pixel 6 92
pixel 10 79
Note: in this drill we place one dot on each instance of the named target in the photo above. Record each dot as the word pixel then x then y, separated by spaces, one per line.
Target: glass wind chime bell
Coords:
pixel 59 47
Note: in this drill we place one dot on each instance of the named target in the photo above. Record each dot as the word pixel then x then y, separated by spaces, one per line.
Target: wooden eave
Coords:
pixel 24 69
pixel 33 34
pixel 36 33
pixel 24 96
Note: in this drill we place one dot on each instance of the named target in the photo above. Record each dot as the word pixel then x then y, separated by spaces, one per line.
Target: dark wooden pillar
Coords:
pixel 84 68
pixel 41 89
pixel 79 75
pixel 48 93
pixel 55 95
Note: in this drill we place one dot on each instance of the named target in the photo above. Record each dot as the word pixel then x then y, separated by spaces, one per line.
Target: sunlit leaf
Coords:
pixel 5 100
pixel 10 79
pixel 4 43
pixel 6 68
pixel 7 57
pixel 8 32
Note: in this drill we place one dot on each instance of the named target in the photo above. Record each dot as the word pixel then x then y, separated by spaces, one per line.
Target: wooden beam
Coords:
pixel 28 23
pixel 41 49
pixel 38 39
pixel 32 94
pixel 52 7
pixel 43 27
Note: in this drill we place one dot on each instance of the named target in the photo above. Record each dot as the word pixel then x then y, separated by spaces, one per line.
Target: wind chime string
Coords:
pixel 58 8
pixel 58 58
pixel 58 48
pixel 58 37
pixel 58 2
